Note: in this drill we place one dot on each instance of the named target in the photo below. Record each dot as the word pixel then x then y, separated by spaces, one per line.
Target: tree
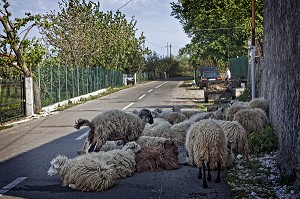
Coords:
pixel 12 47
pixel 20 53
pixel 219 29
pixel 280 81
pixel 85 36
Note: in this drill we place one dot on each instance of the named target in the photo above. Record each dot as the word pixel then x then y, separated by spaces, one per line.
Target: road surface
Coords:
pixel 27 148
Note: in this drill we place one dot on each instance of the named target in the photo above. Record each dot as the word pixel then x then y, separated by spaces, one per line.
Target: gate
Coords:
pixel 12 99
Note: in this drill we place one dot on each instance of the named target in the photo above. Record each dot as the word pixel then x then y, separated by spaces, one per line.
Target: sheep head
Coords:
pixel 146 115
pixel 56 164
pixel 135 147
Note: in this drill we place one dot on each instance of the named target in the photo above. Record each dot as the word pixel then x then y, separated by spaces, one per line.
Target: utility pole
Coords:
pixel 253 51
pixel 170 50
pixel 167 49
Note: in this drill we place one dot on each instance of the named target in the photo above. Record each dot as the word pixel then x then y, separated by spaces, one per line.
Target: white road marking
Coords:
pixel 141 96
pixel 83 135
pixel 11 185
pixel 127 106
pixel 161 84
pixel 150 90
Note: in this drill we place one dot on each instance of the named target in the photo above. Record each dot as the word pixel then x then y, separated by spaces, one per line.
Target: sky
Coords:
pixel 152 16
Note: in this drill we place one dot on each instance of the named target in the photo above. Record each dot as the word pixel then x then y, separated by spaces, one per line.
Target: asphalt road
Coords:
pixel 27 149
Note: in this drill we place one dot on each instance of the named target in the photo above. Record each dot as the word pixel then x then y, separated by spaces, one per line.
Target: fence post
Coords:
pixel 28 96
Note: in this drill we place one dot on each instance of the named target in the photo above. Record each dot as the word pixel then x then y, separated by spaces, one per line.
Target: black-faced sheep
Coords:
pixel 253 120
pixel 115 125
pixel 236 133
pixel 207 147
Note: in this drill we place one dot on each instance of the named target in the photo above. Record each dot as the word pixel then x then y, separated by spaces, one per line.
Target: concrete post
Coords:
pixel 29 96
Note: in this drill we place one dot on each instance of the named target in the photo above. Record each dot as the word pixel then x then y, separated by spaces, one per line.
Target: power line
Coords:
pixel 123 6
pixel 154 44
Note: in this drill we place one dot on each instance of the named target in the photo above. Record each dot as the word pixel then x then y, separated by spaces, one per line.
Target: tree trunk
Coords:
pixel 37 105
pixel 281 79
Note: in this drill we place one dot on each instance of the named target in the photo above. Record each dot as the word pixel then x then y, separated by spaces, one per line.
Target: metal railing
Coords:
pixel 58 83
pixel 11 98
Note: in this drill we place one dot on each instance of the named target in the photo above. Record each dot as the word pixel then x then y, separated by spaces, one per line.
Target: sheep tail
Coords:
pixel 82 122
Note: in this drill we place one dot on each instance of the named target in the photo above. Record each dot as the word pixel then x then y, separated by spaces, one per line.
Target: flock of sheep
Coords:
pixel 119 143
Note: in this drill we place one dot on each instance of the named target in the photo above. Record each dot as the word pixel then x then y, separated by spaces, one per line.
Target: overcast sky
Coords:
pixel 153 18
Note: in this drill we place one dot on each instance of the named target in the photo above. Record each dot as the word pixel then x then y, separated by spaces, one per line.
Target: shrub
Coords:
pixel 263 142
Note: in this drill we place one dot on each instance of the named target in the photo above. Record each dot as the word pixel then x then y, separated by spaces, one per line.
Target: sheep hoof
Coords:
pixel 185 164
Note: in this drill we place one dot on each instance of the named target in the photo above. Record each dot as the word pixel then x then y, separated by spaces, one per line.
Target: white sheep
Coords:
pixel 96 171
pixel 206 145
pixel 83 173
pixel 187 113
pixel 115 125
pixel 260 103
pixel 201 116
pixel 108 146
pixel 160 130
pixel 123 159
pixel 236 133
pixel 238 103
pixel 179 131
pixel 172 117
pixel 231 110
pixel 253 120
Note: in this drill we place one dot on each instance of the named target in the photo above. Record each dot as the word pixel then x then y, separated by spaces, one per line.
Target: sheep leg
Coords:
pixel 204 175
pixel 218 179
pixel 208 173
pixel 200 173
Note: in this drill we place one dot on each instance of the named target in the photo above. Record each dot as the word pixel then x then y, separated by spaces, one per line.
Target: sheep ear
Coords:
pixel 135 111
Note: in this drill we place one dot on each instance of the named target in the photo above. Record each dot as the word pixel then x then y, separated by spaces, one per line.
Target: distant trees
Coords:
pixel 220 29
pixel 85 36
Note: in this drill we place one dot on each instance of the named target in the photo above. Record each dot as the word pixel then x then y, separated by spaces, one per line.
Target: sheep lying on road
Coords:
pixel 206 145
pixel 157 159
pixel 115 125
pixel 108 146
pixel 96 171
pixel 83 173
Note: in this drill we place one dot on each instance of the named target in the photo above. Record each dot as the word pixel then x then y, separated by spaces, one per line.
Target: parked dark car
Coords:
pixel 209 75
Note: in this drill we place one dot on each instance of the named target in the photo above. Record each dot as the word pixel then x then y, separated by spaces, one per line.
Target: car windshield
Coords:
pixel 210 74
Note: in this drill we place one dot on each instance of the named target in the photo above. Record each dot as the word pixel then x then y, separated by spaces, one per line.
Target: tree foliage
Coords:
pixel 16 50
pixel 220 29
pixel 85 36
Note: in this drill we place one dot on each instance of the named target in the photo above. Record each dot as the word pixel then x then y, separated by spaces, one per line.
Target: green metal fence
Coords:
pixel 239 67
pixel 11 98
pixel 58 83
